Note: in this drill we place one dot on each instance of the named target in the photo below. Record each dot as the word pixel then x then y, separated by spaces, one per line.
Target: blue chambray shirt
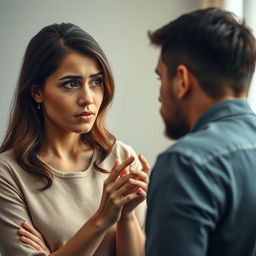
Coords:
pixel 202 192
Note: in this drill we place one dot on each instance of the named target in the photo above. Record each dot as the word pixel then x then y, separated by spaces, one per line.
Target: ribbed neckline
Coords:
pixel 61 174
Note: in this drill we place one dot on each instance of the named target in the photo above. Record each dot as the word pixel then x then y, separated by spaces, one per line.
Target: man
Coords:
pixel 202 193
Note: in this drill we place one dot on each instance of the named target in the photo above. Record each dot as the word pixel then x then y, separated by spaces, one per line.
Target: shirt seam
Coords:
pixel 212 156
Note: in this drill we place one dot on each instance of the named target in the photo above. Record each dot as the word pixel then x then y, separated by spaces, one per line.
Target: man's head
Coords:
pixel 209 46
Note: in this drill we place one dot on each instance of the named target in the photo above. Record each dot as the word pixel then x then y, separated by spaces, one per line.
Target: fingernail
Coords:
pixel 132 180
pixel 22 231
pixel 23 238
pixel 25 224
pixel 134 171
pixel 141 191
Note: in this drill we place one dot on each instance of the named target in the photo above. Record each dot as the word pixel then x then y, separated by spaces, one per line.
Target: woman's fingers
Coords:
pixel 30 229
pixel 123 173
pixel 140 174
pixel 118 169
pixel 30 242
pixel 139 183
pixel 145 164
pixel 122 201
pixel 121 186
pixel 31 236
pixel 134 178
pixel 142 193
pixel 126 186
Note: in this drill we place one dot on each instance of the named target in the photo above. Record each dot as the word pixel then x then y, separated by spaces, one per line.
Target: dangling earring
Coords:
pixel 38 106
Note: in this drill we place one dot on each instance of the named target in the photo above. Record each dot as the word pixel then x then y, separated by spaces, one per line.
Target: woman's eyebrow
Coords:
pixel 80 77
pixel 70 77
pixel 96 74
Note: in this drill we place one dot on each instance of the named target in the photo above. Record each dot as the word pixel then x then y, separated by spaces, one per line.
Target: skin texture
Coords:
pixel 76 87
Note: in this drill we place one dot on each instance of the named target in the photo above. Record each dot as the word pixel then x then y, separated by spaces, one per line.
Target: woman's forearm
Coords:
pixel 86 241
pixel 130 238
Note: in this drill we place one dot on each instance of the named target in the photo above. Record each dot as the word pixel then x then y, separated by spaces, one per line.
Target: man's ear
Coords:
pixel 36 93
pixel 184 81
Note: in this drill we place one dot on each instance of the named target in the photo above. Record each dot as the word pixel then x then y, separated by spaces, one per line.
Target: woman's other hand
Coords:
pixel 140 181
pixel 29 235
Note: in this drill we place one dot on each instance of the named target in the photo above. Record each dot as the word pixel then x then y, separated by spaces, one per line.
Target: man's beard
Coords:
pixel 176 129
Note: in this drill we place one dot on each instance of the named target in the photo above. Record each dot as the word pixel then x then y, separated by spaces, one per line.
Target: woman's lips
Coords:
pixel 85 116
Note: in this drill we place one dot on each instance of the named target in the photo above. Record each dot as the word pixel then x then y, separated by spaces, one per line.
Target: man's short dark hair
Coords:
pixel 217 48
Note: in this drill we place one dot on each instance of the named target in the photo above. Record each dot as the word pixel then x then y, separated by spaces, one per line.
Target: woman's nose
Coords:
pixel 85 97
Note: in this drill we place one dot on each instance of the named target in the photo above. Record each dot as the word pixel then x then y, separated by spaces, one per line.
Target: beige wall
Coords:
pixel 120 26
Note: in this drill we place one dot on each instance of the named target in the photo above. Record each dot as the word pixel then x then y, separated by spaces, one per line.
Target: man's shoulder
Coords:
pixel 212 141
pixel 192 146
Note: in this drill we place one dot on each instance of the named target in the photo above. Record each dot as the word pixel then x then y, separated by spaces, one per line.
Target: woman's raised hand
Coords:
pixel 140 181
pixel 121 188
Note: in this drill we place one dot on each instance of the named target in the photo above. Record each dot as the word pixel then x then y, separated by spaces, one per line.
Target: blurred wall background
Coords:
pixel 120 26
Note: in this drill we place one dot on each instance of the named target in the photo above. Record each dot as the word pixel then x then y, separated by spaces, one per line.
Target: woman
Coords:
pixel 60 169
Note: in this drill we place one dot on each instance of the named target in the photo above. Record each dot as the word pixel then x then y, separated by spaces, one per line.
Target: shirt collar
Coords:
pixel 221 110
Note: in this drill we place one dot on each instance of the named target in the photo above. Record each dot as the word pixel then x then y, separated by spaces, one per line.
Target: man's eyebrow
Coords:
pixel 80 77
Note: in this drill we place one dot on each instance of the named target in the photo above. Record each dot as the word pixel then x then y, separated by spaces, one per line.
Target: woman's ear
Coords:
pixel 184 83
pixel 36 93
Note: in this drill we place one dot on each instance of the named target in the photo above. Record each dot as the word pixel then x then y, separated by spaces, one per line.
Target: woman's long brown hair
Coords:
pixel 43 55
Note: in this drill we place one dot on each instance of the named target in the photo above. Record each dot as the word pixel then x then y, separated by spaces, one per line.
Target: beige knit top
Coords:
pixel 58 212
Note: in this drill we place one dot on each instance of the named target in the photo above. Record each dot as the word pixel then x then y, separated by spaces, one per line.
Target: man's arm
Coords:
pixel 182 209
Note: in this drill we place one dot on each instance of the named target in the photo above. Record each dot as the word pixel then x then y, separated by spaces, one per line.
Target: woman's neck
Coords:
pixel 66 152
pixel 62 144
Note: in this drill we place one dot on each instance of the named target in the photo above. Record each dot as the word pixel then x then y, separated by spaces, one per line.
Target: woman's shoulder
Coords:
pixel 6 157
pixel 120 151
pixel 8 166
pixel 123 150
pixel 12 173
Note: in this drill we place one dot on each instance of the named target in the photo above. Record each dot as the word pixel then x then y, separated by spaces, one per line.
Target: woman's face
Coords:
pixel 73 94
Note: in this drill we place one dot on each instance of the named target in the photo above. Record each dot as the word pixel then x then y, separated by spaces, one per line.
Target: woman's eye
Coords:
pixel 97 82
pixel 71 84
